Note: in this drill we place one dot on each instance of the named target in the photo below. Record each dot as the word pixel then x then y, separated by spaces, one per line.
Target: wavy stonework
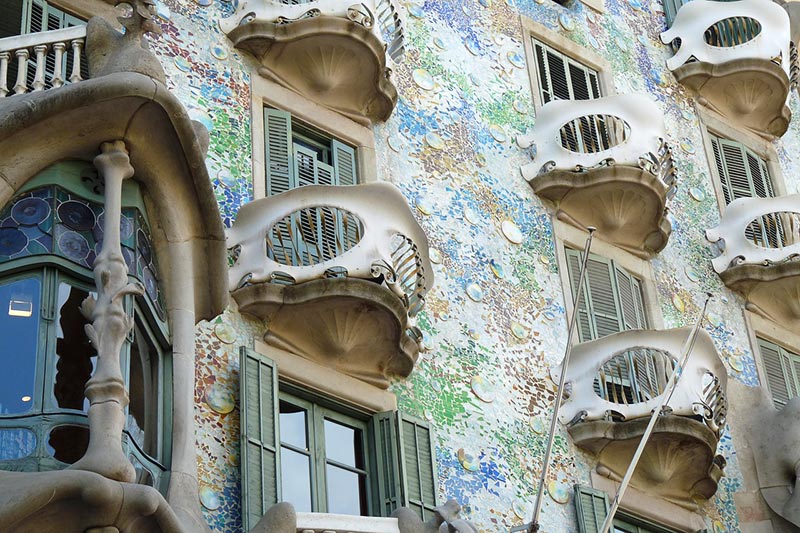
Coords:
pixel 768 276
pixel 743 73
pixel 618 178
pixel 680 462
pixel 330 51
pixel 343 295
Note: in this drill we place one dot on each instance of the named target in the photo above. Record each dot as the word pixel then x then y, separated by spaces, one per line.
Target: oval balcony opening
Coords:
pixel 313 235
pixel 732 31
pixel 634 376
pixel 774 230
pixel 591 134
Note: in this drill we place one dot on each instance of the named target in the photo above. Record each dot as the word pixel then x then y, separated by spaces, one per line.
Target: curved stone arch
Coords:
pixel 167 152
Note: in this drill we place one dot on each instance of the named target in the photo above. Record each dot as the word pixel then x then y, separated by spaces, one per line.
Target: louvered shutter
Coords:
pixel 602 297
pixel 344 164
pixel 777 367
pixel 260 450
pixel 671 8
pixel 592 508
pixel 389 490
pixel 417 470
pixel 11 18
pixel 585 328
pixel 280 177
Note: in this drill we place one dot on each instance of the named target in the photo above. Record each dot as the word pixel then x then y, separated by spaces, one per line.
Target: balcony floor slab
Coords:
pixel 772 291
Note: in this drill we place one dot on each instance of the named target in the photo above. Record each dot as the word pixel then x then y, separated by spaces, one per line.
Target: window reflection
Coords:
pixel 19 331
pixel 293 425
pixel 296 480
pixel 75 362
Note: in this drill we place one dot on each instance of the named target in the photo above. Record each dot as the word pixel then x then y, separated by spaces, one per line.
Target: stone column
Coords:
pixel 109 328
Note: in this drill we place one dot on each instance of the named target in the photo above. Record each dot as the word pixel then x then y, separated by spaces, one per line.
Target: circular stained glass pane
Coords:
pixel 144 246
pixel 150 284
pixel 76 215
pixel 74 246
pixel 30 211
pixel 12 241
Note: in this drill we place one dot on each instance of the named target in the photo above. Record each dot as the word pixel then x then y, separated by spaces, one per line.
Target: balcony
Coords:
pixel 332 523
pixel 41 61
pixel 605 163
pixel 334 52
pixel 736 57
pixel 615 382
pixel 759 241
pixel 338 274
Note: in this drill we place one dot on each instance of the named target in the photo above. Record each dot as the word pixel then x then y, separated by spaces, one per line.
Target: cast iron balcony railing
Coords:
pixel 40 61
pixel 615 382
pixel 759 240
pixel 605 163
pixel 737 57
pixel 351 258
pixel 335 52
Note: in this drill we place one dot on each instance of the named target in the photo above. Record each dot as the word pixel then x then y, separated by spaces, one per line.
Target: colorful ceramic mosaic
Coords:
pixel 495 322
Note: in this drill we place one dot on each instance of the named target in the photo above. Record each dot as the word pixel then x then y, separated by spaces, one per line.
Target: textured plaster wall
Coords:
pixel 495 322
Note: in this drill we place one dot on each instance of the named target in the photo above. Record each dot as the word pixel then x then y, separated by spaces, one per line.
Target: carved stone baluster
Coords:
pixel 38 79
pixel 21 86
pixel 77 45
pixel 58 71
pixel 109 328
pixel 4 56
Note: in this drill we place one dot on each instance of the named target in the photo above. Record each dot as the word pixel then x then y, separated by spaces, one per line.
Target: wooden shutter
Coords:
pixel 11 18
pixel 780 367
pixel 387 454
pixel 278 151
pixel 344 163
pixel 671 8
pixel 585 330
pixel 592 508
pixel 260 436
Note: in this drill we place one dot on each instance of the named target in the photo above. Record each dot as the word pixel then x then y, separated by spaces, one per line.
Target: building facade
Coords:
pixel 326 254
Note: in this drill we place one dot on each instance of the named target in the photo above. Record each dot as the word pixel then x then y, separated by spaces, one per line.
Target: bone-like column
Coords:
pixel 109 328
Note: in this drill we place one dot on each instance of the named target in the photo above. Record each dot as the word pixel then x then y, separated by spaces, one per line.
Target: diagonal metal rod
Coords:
pixel 533 525
pixel 663 408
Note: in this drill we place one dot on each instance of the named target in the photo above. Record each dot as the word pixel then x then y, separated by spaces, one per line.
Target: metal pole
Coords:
pixel 662 409
pixel 533 525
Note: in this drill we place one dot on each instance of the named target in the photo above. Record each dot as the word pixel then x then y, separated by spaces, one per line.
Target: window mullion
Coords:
pixel 316 441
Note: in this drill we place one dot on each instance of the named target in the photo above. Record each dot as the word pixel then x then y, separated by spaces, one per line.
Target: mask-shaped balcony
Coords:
pixel 334 52
pixel 759 239
pixel 337 273
pixel 605 163
pixel 736 57
pixel 615 382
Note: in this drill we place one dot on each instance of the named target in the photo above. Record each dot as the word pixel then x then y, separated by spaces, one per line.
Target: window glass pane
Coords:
pixel 68 443
pixel 19 330
pixel 343 444
pixel 346 492
pixel 16 443
pixel 296 479
pixel 143 389
pixel 75 356
pixel 293 425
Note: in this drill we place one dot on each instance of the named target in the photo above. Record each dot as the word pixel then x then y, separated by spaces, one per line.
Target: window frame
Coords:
pixel 714 125
pixel 532 30
pixel 266 93
pixel 761 328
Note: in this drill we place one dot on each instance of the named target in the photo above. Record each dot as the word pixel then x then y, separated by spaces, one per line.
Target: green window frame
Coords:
pixel 592 507
pixel 782 370
pixel 62 364
pixel 399 461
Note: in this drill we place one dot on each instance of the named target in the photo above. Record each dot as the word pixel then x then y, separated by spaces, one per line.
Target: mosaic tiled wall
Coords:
pixel 495 322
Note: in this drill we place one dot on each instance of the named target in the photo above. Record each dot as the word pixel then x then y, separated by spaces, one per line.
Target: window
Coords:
pixel 49 237
pixel 297 155
pixel 592 507
pixel 325 457
pixel 782 369
pixel 613 301
pixel 744 174
pixel 561 77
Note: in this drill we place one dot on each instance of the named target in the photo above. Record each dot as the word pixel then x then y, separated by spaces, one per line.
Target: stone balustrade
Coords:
pixel 41 60
pixel 333 523
pixel 605 163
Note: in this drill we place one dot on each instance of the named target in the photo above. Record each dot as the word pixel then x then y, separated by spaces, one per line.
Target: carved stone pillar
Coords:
pixel 109 328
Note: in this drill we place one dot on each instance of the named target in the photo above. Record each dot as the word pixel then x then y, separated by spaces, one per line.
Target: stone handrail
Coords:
pixel 696 17
pixel 737 248
pixel 36 47
pixel 700 391
pixel 335 523
pixel 279 239
pixel 641 142
pixel 380 16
